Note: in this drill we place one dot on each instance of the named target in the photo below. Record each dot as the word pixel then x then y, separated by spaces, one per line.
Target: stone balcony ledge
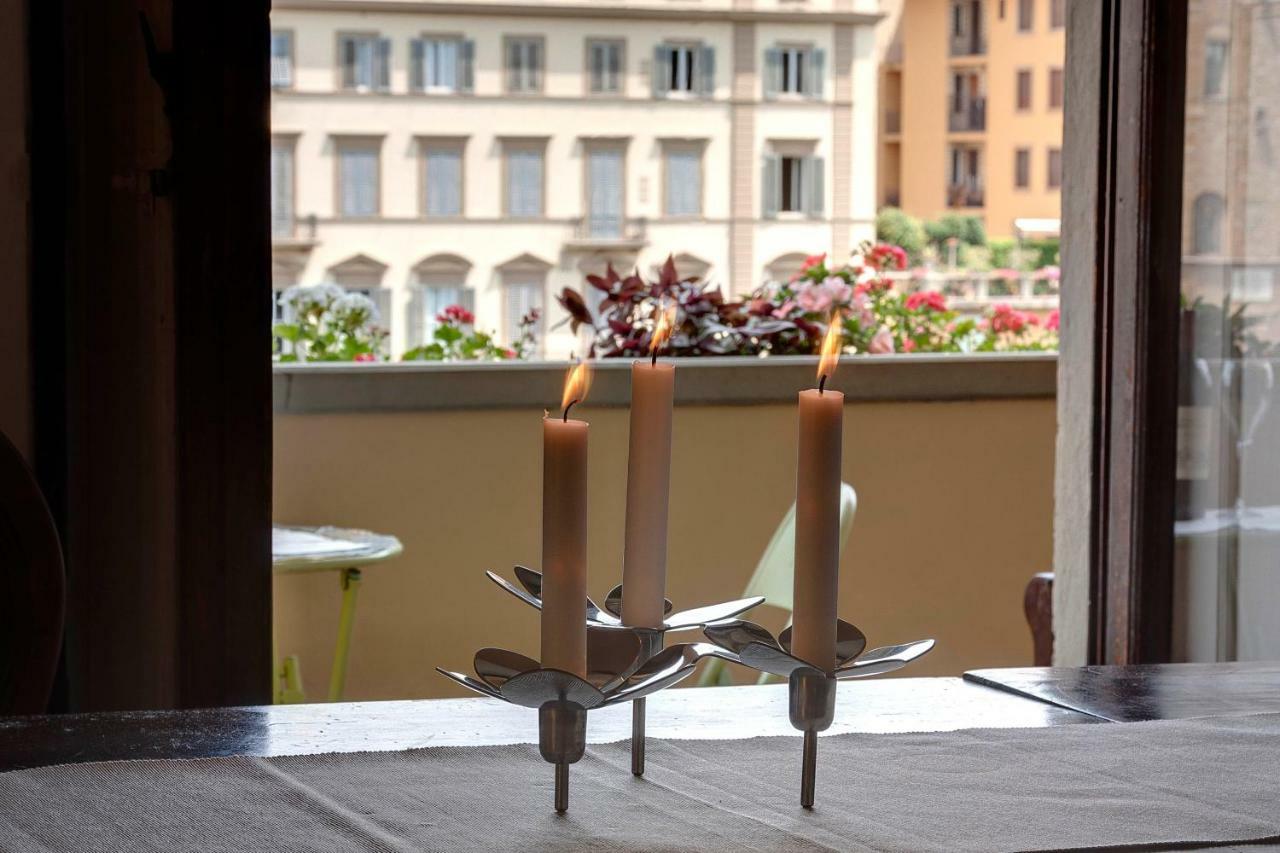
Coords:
pixel 301 389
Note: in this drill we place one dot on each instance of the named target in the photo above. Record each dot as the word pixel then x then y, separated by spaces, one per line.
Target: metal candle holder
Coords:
pixel 651 640
pixel 812 689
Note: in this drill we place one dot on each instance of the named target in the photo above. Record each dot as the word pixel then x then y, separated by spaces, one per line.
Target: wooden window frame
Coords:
pixel 621 44
pixel 1117 396
pixel 507 41
pixel 1017 153
pixel 1056 95
pixel 1017 89
pixel 339 85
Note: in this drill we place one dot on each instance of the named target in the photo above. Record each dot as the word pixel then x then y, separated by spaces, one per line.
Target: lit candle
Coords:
pixel 644 559
pixel 564 532
pixel 817 565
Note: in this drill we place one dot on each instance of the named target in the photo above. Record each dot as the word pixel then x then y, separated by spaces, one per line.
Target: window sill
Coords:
pixel 301 389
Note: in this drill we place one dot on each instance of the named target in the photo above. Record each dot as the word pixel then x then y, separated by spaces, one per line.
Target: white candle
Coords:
pixel 817 563
pixel 644 560
pixel 564 534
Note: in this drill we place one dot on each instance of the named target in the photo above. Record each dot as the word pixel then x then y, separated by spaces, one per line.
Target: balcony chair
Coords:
pixel 774 572
pixel 33 583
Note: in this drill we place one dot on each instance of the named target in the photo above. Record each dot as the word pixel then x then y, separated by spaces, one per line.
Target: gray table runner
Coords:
pixel 1181 784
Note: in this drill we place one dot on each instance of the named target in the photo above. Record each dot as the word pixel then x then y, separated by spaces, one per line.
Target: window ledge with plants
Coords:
pixel 907 344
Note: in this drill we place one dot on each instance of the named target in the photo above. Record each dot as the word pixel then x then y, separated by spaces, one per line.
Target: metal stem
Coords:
pixel 809 769
pixel 637 737
pixel 562 788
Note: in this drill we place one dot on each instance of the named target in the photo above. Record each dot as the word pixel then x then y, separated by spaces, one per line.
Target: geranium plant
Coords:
pixel 329 324
pixel 455 338
pixel 791 317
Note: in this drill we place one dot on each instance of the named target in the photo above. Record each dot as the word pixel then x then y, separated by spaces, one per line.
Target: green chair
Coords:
pixel 773 575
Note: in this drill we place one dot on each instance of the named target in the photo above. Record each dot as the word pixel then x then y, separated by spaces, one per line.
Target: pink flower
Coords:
pixel 908 345
pixel 820 298
pixel 813 261
pixel 365 356
pixel 1006 274
pixel 931 300
pixel 1052 273
pixel 784 310
pixel 1052 321
pixel 881 342
pixel 860 308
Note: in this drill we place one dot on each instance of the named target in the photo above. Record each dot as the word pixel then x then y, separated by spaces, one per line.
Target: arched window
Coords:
pixel 1206 224
pixel 439 281
pixel 784 267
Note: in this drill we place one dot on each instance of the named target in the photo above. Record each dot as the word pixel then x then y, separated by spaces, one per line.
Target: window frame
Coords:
pixel 1025 23
pixel 454 144
pixel 696 147
pixel 459 40
pixel 1022 156
pixel 291 36
pixel 620 44
pixel 347 142
pixel 510 145
pixel 1223 90
pixel 620 145
pixel 340 84
pixel 1019 74
pixel 1057 93
pixel 1053 181
pixel 291 140
pixel 508 41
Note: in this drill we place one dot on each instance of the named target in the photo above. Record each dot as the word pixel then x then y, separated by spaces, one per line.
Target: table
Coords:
pixel 1154 692
pixel 296 550
pixel 886 705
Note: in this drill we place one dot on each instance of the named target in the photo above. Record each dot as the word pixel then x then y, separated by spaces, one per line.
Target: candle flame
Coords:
pixel 831 345
pixel 576 384
pixel 662 329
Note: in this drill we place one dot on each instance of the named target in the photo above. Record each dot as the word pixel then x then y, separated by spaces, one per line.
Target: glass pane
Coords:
pixel 1227 533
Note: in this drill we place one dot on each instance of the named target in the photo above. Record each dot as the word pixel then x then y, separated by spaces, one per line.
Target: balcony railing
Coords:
pixel 968 44
pixel 290 230
pixel 965 195
pixel 967 114
pixel 608 230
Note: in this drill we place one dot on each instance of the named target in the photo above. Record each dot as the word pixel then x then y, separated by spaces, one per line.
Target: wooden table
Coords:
pixel 1155 692
pixel 886 705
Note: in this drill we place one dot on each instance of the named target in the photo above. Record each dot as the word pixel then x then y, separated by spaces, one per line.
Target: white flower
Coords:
pixel 353 310
pixel 304 300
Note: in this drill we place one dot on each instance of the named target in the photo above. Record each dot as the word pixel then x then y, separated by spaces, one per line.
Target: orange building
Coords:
pixel 972 113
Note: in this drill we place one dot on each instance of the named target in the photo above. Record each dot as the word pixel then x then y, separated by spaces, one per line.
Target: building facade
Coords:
pixel 491 153
pixel 972 94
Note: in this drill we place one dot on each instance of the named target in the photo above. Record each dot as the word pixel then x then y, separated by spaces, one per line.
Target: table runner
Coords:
pixel 1181 783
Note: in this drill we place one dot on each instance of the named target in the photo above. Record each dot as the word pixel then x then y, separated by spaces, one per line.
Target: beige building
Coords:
pixel 492 153
pixel 972 112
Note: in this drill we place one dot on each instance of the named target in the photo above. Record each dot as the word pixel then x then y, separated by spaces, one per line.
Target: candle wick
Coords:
pixel 567 408
pixel 822 382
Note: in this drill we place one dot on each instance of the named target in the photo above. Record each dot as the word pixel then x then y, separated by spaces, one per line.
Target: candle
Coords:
pixel 817 564
pixel 564 532
pixel 644 559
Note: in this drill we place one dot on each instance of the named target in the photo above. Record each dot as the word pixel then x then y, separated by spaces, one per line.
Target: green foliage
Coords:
pixel 966 229
pixel 1002 253
pixel 457 339
pixel 329 324
pixel 1041 253
pixel 898 228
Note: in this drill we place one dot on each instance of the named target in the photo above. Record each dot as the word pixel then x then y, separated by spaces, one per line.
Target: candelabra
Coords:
pixel 651 640
pixel 812 689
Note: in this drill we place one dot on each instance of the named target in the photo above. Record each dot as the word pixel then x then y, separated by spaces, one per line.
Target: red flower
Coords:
pixel 887 256
pixel 456 314
pixel 908 345
pixel 365 356
pixel 1052 321
pixel 813 261
pixel 930 300
pixel 1004 318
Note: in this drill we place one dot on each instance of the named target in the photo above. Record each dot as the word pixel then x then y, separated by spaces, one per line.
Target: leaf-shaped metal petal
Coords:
pixel 497 666
pixel 738 634
pixel 770 659
pixel 470 683
pixel 519 593
pixel 612 655
pixel 613 602
pixel 664 669
pixel 850 641
pixel 885 659
pixel 530 580
pixel 534 689
pixel 699 616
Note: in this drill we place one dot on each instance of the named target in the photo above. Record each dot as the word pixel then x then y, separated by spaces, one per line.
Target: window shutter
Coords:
pixel 816 72
pixel 706 71
pixel 417 316
pixel 348 62
pixel 514 66
pixel 814 176
pixel 534 75
pixel 660 74
pixel 771 186
pixel 466 63
pixel 383 83
pixel 417 57
pixel 772 72
pixel 282 190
